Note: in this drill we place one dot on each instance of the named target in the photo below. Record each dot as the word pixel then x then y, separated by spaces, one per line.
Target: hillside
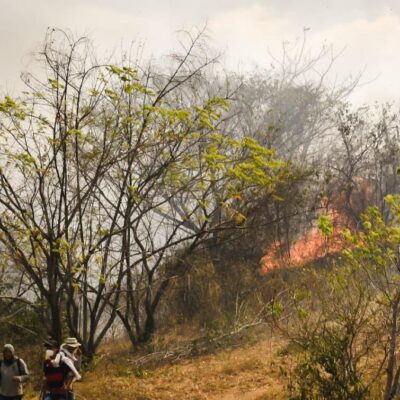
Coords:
pixel 248 372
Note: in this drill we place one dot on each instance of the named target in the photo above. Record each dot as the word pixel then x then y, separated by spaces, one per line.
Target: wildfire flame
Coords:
pixel 309 247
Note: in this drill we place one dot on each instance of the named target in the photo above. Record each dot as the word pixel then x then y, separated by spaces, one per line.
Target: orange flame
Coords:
pixel 311 246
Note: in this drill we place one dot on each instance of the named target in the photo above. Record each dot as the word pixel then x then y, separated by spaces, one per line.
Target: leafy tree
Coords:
pixel 186 183
pixel 106 173
pixel 335 331
pixel 375 252
pixel 348 317
pixel 57 144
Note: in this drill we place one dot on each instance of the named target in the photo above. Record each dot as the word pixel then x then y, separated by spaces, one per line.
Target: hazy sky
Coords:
pixel 245 29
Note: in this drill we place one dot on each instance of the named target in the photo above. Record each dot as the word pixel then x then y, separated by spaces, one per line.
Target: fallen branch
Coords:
pixel 193 348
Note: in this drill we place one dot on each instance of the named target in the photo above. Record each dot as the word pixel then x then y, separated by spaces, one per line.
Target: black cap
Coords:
pixel 50 343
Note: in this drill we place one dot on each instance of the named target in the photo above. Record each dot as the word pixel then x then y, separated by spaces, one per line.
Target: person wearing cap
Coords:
pixel 54 375
pixel 51 348
pixel 13 374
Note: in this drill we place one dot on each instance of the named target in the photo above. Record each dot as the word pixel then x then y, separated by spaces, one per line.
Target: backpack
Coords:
pixel 55 377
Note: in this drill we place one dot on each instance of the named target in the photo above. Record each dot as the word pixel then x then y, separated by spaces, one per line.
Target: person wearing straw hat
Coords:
pixel 71 350
pixel 58 371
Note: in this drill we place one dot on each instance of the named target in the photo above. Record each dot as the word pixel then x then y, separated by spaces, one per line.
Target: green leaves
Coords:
pixel 55 84
pixel 375 249
pixel 26 159
pixel 325 225
pixel 75 132
pixel 258 166
pixel 134 193
pixel 125 73
pixel 11 107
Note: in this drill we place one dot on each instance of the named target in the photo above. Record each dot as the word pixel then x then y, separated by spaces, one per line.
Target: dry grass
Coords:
pixel 247 373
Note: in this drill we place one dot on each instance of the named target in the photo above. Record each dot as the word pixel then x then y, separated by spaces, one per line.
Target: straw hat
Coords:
pixel 71 342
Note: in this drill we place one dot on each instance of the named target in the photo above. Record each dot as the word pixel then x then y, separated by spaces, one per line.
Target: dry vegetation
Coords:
pixel 251 371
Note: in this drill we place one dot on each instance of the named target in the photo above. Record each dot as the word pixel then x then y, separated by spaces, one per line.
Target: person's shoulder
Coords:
pixel 64 361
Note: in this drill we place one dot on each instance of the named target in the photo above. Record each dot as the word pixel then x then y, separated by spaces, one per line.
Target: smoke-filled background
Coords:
pixel 247 31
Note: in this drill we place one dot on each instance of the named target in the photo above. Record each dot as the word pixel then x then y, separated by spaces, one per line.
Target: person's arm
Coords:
pixel 71 376
pixel 70 364
pixel 24 377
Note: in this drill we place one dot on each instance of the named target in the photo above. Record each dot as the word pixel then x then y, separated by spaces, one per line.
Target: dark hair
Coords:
pixel 50 343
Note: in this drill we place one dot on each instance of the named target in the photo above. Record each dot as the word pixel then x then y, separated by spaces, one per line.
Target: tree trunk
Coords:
pixel 56 324
pixel 391 365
